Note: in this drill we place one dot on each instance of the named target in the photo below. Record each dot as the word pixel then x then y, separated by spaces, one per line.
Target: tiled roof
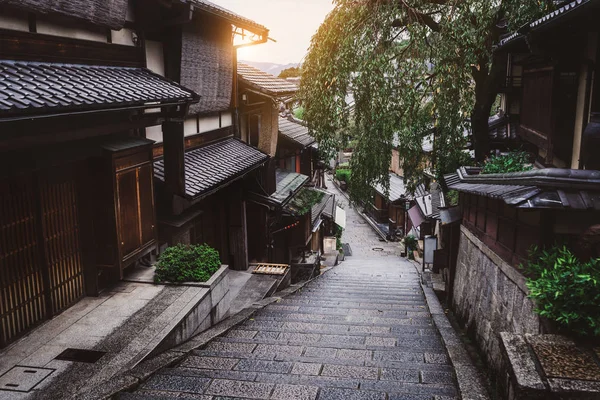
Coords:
pixel 543 188
pixel 295 131
pixel 287 184
pixel 398 189
pixel 319 208
pixel 234 18
pixel 34 87
pixel 538 23
pixel 265 83
pixel 211 166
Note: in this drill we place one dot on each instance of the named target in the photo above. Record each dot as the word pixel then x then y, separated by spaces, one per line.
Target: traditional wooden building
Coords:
pixel 550 92
pixel 76 188
pixel 106 154
pixel 281 223
pixel 201 168
pixel 551 65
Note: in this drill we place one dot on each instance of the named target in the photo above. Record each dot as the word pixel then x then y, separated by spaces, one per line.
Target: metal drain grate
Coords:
pixel 23 379
pixel 80 355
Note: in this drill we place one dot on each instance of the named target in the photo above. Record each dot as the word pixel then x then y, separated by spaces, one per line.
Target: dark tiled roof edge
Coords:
pixel 540 22
pixel 28 88
pixel 222 12
pixel 547 177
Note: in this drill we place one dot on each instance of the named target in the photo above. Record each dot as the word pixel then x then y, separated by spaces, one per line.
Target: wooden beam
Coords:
pixel 174 152
pixel 16 45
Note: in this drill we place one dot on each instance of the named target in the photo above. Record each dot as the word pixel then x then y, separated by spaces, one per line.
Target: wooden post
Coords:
pixel 238 236
pixel 174 152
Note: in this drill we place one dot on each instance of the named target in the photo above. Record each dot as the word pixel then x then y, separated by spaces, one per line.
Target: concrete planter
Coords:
pixel 207 304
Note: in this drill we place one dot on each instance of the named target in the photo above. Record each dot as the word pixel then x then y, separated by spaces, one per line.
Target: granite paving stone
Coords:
pixel 306 368
pixel 400 375
pixel 251 390
pixel 294 392
pixel 177 383
pixel 349 394
pixel 209 362
pixel 362 331
pixel 281 367
pixel 344 371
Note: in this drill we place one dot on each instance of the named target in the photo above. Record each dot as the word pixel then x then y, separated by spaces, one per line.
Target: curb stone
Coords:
pixel 129 380
pixel 471 382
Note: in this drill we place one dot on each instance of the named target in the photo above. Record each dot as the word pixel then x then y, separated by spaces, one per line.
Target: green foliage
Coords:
pixel 411 66
pixel 291 72
pixel 305 199
pixel 343 175
pixel 515 161
pixel 410 243
pixel 565 289
pixel 452 198
pixel 299 113
pixel 338 236
pixel 187 263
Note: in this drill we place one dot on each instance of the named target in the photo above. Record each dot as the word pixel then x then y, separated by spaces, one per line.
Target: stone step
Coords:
pixel 404 360
pixel 356 342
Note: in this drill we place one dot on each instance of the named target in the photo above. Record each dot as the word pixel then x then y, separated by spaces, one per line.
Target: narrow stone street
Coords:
pixel 360 331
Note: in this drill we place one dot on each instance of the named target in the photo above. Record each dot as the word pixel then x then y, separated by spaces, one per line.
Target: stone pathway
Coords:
pixel 362 331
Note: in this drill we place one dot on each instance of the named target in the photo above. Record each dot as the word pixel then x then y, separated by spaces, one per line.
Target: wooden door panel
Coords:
pixel 146 191
pixel 128 214
pixel 61 239
pixel 22 296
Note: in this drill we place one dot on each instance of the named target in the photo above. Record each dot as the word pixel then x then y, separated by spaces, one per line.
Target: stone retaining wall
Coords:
pixel 490 297
pixel 208 304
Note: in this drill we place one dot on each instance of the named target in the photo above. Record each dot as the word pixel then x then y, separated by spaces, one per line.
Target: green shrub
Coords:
pixel 410 243
pixel 452 198
pixel 515 161
pixel 338 237
pixel 343 175
pixel 565 289
pixel 187 263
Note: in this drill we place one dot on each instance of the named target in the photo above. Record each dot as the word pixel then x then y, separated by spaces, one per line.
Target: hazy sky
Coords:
pixel 291 22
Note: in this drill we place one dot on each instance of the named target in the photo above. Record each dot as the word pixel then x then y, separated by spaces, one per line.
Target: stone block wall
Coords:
pixel 489 297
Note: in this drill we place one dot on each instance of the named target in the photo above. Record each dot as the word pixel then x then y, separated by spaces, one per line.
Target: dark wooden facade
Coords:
pixel 507 231
pixel 76 188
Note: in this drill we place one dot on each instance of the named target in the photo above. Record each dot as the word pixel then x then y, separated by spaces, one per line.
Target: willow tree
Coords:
pixel 411 67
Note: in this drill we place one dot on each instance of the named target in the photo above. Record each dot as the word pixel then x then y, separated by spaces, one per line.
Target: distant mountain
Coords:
pixel 271 68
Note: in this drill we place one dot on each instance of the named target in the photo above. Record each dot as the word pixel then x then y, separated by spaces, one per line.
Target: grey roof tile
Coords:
pixel 398 190
pixel 544 188
pixel 295 132
pixel 34 87
pixel 208 167
pixel 264 82
pixel 287 183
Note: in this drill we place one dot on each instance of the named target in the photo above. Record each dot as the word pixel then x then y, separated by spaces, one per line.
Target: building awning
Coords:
pixel 296 132
pixel 210 167
pixel 340 217
pixel 265 83
pixel 288 184
pixel 34 88
pixel 414 213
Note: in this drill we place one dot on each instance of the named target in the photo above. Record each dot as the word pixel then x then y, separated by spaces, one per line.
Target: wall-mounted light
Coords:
pixel 135 38
pixel 244 98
